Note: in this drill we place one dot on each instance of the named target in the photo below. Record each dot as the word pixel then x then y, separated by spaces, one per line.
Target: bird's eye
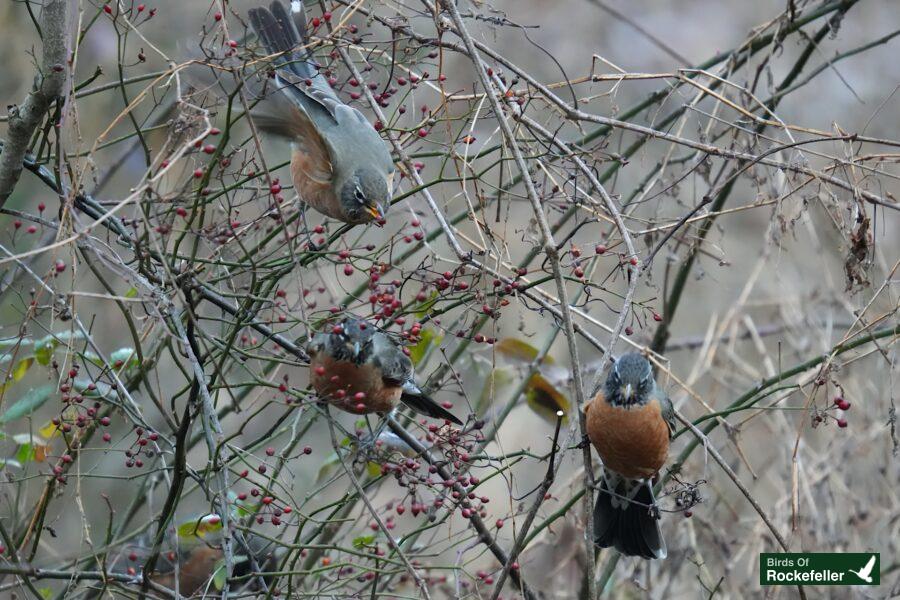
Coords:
pixel 358 194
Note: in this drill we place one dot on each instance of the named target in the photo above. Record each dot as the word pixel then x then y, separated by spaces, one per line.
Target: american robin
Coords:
pixel 630 422
pixel 195 564
pixel 358 368
pixel 339 164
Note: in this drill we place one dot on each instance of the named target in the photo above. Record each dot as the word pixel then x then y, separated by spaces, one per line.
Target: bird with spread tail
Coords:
pixel 358 368
pixel 340 166
pixel 630 423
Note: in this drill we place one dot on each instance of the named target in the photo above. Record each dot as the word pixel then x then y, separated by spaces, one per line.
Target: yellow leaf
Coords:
pixel 427 339
pixel 49 430
pixel 22 368
pixel 544 399
pixel 373 469
pixel 518 350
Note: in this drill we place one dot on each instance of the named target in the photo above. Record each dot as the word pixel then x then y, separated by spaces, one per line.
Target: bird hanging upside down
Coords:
pixel 340 166
pixel 358 368
pixel 630 423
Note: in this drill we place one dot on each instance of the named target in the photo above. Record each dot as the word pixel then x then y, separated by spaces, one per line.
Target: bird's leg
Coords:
pixel 309 242
pixel 367 444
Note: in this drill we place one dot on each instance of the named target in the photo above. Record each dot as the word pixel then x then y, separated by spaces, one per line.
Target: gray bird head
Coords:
pixel 630 381
pixel 350 339
pixel 366 195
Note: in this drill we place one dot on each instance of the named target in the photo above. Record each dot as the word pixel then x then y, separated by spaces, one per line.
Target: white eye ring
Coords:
pixel 358 194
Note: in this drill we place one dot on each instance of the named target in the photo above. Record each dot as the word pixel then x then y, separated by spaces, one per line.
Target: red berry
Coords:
pixel 422 132
pixel 198 173
pixel 107 9
pixel 141 7
pixel 217 16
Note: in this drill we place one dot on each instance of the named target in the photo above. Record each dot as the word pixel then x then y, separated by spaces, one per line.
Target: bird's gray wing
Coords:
pixel 395 366
pixel 666 408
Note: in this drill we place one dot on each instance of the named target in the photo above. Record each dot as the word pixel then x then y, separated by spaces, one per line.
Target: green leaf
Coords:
pixel 15 341
pixel 100 390
pixel 199 527
pixel 423 309
pixel 131 293
pixel 93 358
pixel 28 403
pixel 373 469
pixel 220 576
pixel 363 541
pixel 9 462
pixel 25 453
pixel 44 347
pixel 30 448
pixel 127 356
pixel 46 592
pixel 328 465
pixel 427 339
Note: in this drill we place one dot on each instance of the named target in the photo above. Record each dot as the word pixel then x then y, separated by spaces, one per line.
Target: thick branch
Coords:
pixel 48 86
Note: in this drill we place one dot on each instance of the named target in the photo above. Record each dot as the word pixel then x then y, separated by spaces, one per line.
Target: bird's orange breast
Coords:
pixel 338 382
pixel 312 188
pixel 632 441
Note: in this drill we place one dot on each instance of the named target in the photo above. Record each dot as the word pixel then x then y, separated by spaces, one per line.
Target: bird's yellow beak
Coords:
pixel 375 211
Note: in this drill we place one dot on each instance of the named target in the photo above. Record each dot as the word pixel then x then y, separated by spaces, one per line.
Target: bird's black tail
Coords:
pixel 420 402
pixel 284 33
pixel 625 518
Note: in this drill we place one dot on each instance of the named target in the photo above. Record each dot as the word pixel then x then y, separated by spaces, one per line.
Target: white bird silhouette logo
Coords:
pixel 866 572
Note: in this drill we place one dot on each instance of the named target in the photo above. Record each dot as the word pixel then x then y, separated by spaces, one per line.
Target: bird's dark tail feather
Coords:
pixel 629 526
pixel 421 403
pixel 281 33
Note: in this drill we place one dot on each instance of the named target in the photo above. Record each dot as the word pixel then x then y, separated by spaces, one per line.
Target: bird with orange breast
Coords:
pixel 358 368
pixel 340 166
pixel 194 566
pixel 630 423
